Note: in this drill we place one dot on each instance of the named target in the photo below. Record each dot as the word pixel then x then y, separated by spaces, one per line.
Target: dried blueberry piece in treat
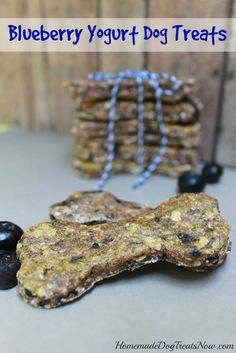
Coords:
pixel 95 246
pixel 29 293
pixel 110 216
pixel 212 259
pixel 195 253
pixel 9 265
pixel 10 234
pixel 191 182
pixel 75 258
pixel 107 240
pixel 212 172
pixel 185 238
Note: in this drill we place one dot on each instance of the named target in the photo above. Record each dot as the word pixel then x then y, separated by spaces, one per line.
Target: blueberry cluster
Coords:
pixel 10 234
pixel 195 182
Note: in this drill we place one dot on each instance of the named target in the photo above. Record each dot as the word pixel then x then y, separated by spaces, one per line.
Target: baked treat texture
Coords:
pixel 93 129
pixel 180 114
pixel 60 261
pixel 129 153
pixel 90 91
pixel 95 169
pixel 191 141
pixel 93 207
pixel 185 112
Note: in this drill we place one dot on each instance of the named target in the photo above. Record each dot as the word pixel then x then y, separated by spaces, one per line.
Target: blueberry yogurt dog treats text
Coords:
pixel 61 260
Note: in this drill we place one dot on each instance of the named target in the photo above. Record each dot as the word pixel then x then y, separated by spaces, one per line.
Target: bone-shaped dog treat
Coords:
pixel 61 260
pixel 93 207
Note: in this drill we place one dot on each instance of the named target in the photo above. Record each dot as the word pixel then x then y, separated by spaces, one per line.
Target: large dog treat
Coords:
pixel 185 112
pixel 89 90
pixel 92 207
pixel 61 260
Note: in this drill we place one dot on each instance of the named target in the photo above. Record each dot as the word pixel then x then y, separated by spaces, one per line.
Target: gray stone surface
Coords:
pixel 160 302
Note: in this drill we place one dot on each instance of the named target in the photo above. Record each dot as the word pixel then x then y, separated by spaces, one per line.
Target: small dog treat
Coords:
pixel 60 261
pixel 90 91
pixel 93 129
pixel 129 153
pixel 185 112
pixel 94 169
pixel 149 139
pixel 92 207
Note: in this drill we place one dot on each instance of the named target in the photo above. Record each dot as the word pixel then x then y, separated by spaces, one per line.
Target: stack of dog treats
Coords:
pixel 180 114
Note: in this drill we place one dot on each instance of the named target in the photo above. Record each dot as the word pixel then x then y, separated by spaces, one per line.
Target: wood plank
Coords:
pixel 32 82
pixel 208 68
pixel 114 62
pixel 34 70
pixel 226 146
pixel 65 66
pixel 10 82
pixel 25 74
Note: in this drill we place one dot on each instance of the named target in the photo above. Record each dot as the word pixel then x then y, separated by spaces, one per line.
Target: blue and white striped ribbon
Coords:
pixel 154 80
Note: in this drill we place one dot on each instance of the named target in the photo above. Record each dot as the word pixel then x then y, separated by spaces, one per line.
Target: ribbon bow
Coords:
pixel 154 80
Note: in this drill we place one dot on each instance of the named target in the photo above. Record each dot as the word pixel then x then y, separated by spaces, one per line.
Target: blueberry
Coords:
pixel 10 234
pixel 212 172
pixel 191 182
pixel 95 246
pixel 9 265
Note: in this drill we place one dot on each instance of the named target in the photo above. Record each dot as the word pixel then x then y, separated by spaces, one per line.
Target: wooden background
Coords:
pixel 30 83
